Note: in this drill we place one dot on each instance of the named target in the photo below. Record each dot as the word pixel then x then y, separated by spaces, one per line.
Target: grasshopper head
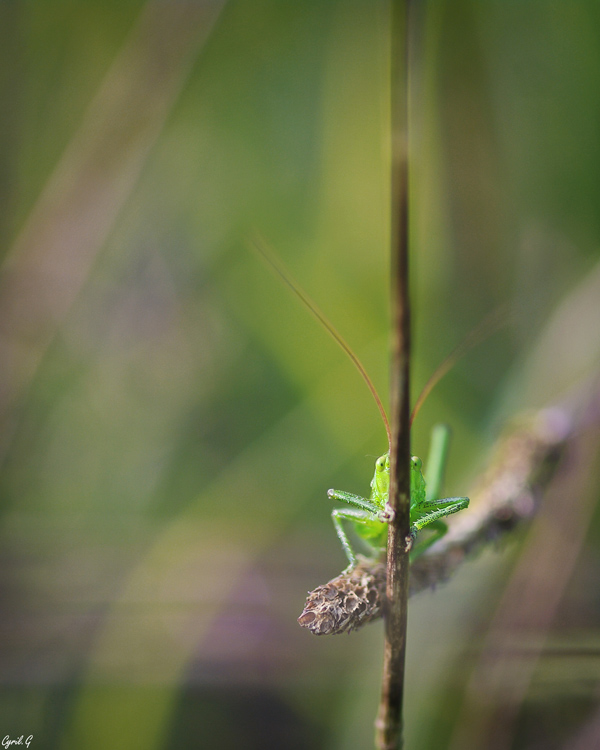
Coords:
pixel 380 486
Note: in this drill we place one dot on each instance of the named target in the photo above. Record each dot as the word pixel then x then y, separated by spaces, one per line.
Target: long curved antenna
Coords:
pixel 490 324
pixel 261 247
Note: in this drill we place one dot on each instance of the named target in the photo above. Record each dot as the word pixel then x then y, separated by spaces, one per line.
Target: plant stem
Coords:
pixel 389 718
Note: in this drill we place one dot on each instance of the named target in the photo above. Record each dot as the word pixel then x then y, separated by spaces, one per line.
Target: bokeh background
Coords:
pixel 172 417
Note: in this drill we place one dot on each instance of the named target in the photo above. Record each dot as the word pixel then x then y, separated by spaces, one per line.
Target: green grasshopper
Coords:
pixel 370 516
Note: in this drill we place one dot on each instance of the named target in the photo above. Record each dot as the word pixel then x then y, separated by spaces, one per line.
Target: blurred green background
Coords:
pixel 171 416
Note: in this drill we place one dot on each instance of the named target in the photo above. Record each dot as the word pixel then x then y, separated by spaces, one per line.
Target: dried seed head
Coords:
pixel 347 602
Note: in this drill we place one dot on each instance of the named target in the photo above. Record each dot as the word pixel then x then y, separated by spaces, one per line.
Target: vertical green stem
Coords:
pixel 389 718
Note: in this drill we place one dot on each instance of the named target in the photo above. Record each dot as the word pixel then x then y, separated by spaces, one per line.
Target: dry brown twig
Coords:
pixel 507 493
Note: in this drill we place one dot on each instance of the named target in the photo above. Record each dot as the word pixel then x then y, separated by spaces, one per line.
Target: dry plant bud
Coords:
pixel 347 602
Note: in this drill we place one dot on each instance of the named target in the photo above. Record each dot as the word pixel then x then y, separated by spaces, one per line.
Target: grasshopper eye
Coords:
pixel 417 463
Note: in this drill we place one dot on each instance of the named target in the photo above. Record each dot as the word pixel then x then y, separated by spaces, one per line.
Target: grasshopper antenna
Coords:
pixel 489 325
pixel 261 247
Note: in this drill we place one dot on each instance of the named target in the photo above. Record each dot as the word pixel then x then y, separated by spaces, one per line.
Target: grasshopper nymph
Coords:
pixel 370 516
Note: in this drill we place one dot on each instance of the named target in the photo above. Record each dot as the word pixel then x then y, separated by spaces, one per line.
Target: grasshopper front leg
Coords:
pixel 366 512
pixel 356 500
pixel 430 513
pixel 431 510
pixel 349 515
